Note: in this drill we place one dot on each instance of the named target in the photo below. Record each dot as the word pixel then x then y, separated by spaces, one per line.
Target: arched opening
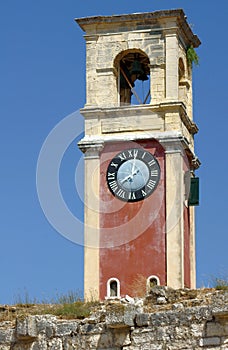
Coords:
pixel 113 288
pixel 183 82
pixel 133 79
pixel 181 69
pixel 152 281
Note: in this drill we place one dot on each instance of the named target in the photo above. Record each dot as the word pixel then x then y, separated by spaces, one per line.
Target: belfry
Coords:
pixel 140 183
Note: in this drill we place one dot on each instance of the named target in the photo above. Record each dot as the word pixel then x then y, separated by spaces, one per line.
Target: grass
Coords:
pixel 78 309
pixel 221 284
pixel 67 306
pixel 220 281
pixel 67 298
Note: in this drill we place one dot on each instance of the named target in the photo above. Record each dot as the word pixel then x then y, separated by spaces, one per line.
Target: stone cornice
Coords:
pixel 93 145
pixel 90 148
pixel 147 18
pixel 132 110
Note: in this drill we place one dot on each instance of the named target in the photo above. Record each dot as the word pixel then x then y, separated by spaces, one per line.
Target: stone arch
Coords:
pixel 183 80
pixel 181 69
pixel 152 281
pixel 131 66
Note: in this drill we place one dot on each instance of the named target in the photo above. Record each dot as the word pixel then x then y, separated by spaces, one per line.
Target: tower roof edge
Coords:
pixel 87 23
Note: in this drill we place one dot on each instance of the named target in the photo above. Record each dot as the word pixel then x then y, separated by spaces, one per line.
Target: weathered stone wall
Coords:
pixel 163 321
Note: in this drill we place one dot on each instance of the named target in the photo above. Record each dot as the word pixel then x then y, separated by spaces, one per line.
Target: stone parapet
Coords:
pixel 186 319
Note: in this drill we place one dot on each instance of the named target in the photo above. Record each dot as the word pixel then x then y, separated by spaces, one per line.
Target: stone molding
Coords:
pixel 133 110
pixel 91 149
pixel 150 18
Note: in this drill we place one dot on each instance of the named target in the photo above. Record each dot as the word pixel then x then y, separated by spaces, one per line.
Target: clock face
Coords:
pixel 133 174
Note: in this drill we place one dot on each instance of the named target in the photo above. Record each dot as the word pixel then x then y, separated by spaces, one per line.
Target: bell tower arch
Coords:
pixel 132 66
pixel 138 151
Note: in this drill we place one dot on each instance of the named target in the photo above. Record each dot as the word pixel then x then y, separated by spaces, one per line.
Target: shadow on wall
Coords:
pixel 114 338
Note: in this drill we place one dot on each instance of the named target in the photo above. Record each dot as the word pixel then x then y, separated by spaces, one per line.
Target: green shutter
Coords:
pixel 194 192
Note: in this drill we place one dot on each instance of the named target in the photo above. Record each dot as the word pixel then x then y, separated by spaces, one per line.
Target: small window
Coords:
pixel 152 281
pixel 113 288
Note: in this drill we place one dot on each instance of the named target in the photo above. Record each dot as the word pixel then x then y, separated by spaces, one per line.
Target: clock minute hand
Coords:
pixel 133 167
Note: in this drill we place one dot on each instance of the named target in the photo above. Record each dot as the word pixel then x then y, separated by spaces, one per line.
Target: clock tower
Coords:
pixel 138 153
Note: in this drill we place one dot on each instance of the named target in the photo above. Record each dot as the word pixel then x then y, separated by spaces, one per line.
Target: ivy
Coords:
pixel 192 56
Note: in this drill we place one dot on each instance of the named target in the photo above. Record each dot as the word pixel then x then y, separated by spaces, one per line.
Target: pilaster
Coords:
pixel 192 249
pixel 174 214
pixel 91 218
pixel 171 66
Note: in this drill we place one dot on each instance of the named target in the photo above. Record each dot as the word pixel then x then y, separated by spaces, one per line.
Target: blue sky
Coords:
pixel 42 76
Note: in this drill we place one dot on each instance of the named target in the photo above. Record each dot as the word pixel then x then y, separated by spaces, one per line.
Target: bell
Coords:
pixel 143 77
pixel 136 68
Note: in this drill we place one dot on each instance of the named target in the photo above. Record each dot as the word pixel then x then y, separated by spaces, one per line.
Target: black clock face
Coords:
pixel 133 174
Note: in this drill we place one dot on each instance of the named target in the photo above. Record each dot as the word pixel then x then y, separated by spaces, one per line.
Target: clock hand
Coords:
pixel 133 167
pixel 135 172
pixel 128 177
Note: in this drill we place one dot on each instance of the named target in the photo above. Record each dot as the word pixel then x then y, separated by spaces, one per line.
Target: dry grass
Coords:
pixel 138 286
pixel 76 310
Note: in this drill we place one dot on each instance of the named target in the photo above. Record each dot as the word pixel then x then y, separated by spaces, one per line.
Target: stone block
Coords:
pixel 143 336
pixel 214 329
pixel 129 315
pixel 46 325
pixel 209 341
pixel 66 328
pixel 91 328
pixel 96 340
pixel 7 336
pixel 55 344
pixel 142 320
pixel 121 337
pixel 196 330
pixel 26 327
pixel 38 345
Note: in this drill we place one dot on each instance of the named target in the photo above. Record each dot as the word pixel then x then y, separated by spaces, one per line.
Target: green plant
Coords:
pixel 192 56
pixel 78 310
pixel 221 284
pixel 68 305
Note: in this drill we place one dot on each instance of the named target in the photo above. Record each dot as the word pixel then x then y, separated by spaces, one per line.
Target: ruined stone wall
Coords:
pixel 163 321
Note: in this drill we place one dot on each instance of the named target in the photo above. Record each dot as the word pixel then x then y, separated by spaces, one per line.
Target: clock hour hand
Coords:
pixel 128 177
pixel 135 172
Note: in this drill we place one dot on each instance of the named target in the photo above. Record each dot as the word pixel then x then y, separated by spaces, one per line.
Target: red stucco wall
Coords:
pixel 132 235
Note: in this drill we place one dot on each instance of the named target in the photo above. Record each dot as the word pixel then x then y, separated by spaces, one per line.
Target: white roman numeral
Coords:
pixel 122 156
pixel 151 184
pixel 152 162
pixel 111 176
pixel 143 193
pixel 154 173
pixel 121 193
pixel 135 152
pixel 113 185
pixel 114 164
pixel 132 195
